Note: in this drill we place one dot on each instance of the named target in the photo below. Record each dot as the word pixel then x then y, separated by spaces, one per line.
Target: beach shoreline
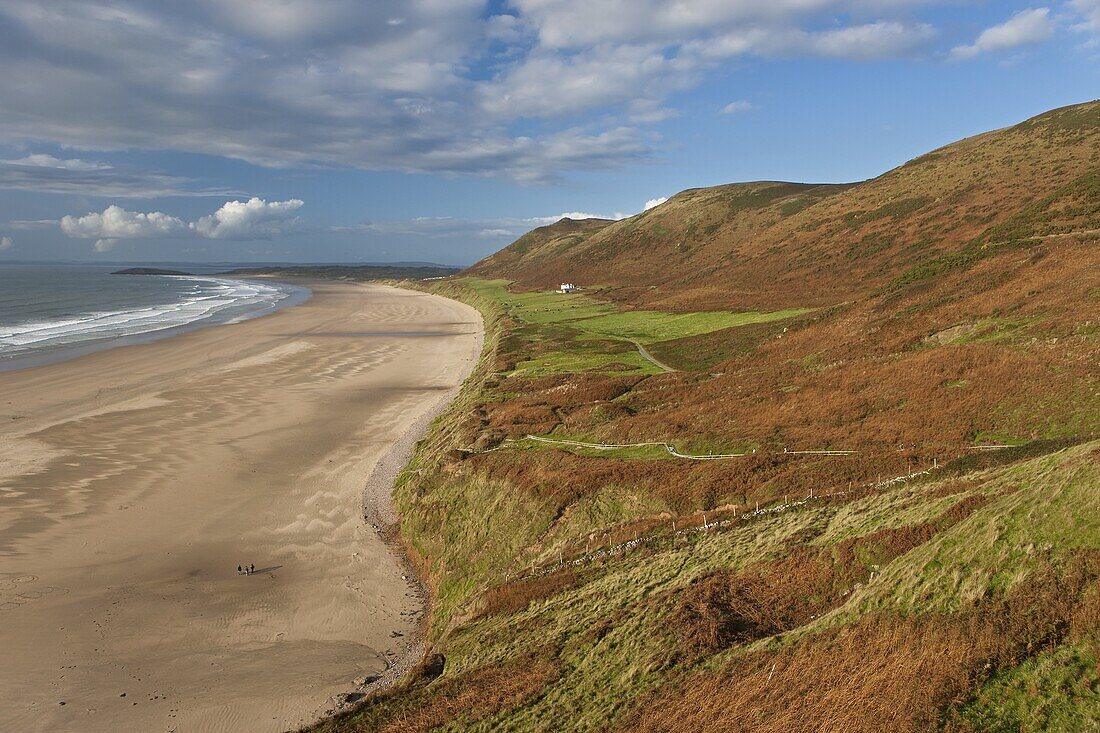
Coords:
pixel 135 479
pixel 297 294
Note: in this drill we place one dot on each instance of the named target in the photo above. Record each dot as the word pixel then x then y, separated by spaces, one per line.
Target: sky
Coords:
pixel 440 130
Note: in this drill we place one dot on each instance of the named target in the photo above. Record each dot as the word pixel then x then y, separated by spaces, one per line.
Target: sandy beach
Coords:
pixel 134 480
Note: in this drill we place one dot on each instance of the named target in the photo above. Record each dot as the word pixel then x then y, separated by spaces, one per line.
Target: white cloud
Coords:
pixel 6 244
pixel 549 84
pixel 117 223
pixel 1089 11
pixel 1024 28
pixel 654 202
pixel 252 219
pixel 872 41
pixel 741 105
pixel 41 160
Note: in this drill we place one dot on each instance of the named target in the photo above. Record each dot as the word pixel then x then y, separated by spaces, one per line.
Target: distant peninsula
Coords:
pixel 149 271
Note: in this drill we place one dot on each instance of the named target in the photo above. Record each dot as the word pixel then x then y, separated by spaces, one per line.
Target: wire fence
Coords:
pixel 672 451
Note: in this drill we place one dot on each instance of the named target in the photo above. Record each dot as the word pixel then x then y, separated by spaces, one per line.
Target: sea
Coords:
pixel 53 312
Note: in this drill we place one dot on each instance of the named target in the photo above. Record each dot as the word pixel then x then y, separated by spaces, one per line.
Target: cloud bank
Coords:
pixel 527 89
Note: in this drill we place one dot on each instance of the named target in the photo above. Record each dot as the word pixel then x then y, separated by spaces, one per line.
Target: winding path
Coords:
pixel 650 358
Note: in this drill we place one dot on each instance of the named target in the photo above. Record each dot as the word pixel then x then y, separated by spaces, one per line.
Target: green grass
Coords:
pixel 1057 691
pixel 604 672
pixel 586 360
pixel 1048 503
pixel 638 591
pixel 986 437
pixel 649 327
pixel 989 330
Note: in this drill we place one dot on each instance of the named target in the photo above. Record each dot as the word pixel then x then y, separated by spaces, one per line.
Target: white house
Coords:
pixel 568 288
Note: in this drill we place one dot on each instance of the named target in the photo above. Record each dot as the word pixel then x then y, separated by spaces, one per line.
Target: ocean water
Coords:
pixel 53 312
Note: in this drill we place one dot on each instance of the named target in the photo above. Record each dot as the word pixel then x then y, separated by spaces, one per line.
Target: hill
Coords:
pixel 798 457
pixel 769 243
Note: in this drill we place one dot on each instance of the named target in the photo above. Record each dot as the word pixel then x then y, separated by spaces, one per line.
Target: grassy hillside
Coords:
pixel 772 245
pixel 831 461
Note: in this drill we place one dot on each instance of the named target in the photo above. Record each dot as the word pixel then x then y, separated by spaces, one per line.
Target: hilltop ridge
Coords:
pixel 771 243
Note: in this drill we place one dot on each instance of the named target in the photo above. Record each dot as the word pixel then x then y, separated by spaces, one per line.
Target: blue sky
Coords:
pixel 439 130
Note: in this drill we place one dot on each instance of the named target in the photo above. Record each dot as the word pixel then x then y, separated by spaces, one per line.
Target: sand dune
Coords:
pixel 133 481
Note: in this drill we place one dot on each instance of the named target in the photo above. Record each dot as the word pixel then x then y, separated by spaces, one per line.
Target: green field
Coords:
pixel 583 359
pixel 649 327
pixel 583 330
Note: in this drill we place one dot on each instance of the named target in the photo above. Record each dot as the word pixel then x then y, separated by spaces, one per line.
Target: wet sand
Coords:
pixel 134 480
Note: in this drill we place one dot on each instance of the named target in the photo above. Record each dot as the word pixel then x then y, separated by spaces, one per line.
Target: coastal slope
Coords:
pixel 864 498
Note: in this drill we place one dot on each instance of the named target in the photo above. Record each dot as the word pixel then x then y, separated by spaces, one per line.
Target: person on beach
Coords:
pixel 238 570
pixel 252 568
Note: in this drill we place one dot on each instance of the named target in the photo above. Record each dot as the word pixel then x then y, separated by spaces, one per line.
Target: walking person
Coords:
pixel 252 568
pixel 239 570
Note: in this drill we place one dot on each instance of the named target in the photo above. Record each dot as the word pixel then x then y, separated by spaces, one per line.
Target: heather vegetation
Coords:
pixel 911 538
